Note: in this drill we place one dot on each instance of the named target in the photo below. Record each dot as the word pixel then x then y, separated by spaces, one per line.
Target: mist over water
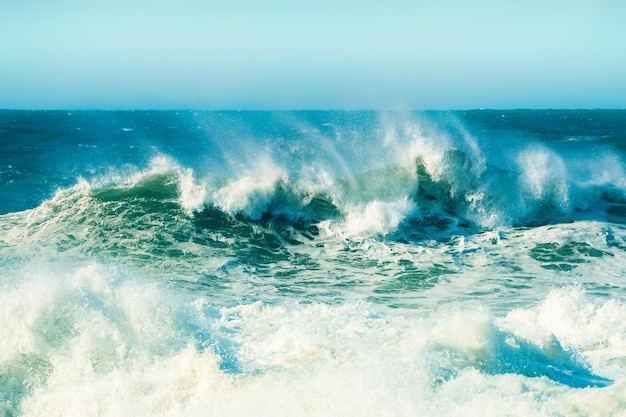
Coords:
pixel 312 263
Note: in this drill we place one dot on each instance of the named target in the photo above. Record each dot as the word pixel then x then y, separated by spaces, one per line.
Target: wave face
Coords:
pixel 356 263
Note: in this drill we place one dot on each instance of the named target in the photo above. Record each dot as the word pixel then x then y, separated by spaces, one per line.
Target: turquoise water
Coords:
pixel 313 263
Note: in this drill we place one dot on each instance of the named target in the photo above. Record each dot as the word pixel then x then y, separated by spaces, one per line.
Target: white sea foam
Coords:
pixel 375 217
pixel 95 341
pixel 193 193
pixel 249 195
pixel 579 324
pixel 545 178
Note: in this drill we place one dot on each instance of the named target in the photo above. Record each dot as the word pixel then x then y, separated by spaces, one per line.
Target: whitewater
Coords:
pixel 313 263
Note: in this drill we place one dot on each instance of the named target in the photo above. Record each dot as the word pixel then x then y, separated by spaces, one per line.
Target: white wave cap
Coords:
pixel 376 217
pixel 193 193
pixel 251 193
pixel 544 177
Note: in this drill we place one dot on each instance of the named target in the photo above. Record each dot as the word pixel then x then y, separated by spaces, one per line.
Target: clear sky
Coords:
pixel 342 54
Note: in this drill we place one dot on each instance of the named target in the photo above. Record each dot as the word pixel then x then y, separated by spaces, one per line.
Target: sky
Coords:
pixel 328 54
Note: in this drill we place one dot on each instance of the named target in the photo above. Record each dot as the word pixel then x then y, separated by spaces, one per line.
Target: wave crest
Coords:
pixel 408 180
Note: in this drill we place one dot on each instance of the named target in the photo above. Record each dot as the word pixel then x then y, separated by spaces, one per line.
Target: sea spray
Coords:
pixel 313 263
pixel 144 350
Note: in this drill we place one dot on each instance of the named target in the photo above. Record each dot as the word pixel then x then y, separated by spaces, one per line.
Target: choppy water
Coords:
pixel 313 263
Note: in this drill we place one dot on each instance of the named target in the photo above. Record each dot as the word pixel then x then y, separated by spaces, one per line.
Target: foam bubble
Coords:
pixel 93 340
pixel 193 193
pixel 376 217
pixel 249 194
pixel 544 177
pixel 578 323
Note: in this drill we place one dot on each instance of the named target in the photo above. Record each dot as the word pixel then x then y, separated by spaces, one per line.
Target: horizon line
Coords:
pixel 287 110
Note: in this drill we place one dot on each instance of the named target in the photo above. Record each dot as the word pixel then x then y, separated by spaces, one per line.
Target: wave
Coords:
pixel 408 173
pixel 431 187
pixel 412 181
pixel 419 270
pixel 95 338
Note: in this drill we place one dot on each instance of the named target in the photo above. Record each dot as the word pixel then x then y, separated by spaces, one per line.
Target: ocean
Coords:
pixel 313 263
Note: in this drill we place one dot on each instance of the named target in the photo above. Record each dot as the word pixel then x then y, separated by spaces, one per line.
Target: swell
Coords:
pixel 410 178
pixel 167 213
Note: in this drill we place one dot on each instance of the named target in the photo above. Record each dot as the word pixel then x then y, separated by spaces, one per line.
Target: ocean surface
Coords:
pixel 314 263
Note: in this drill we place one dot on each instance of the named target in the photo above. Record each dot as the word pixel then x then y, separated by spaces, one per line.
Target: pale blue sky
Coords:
pixel 244 54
